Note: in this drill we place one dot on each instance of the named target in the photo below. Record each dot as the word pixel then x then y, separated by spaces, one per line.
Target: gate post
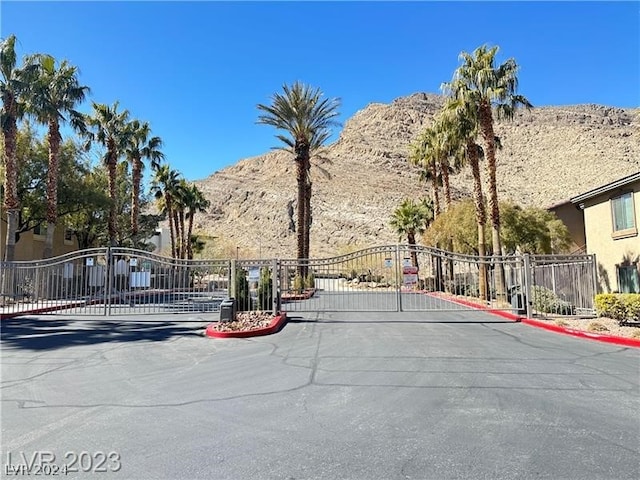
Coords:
pixel 398 280
pixel 275 286
pixel 232 280
pixel 108 283
pixel 528 281
pixel 594 273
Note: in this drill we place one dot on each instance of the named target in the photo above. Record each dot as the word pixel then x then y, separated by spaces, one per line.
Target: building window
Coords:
pixel 68 236
pixel 623 213
pixel 628 278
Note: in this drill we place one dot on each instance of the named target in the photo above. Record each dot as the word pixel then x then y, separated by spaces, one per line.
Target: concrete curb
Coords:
pixel 276 325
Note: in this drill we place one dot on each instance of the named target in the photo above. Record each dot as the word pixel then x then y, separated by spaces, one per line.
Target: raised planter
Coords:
pixel 276 324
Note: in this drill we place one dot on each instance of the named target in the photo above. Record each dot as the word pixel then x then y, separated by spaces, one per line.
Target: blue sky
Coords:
pixel 197 70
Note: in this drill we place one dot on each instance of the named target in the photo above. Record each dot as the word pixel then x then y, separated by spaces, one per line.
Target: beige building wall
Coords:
pixel 573 218
pixel 611 249
pixel 31 247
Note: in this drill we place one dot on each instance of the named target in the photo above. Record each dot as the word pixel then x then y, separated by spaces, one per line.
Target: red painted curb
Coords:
pixel 627 342
pixel 276 324
pixel 475 306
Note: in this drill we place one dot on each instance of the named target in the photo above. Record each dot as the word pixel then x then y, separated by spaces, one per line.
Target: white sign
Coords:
pixel 133 262
pixel 406 262
pixel 254 274
pixel 388 263
pixel 140 279
pixel 89 261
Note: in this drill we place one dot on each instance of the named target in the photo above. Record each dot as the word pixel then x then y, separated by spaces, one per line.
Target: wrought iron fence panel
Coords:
pixel 105 281
pixel 563 284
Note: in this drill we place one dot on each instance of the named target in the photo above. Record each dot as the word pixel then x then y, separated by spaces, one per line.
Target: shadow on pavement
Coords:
pixel 32 333
pixel 390 322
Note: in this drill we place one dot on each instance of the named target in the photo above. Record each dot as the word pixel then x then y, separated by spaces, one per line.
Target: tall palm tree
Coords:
pixel 141 146
pixel 109 127
pixel 411 219
pixel 489 89
pixel 164 186
pixel 180 202
pixel 423 152
pixel 307 118
pixel 14 86
pixel 195 202
pixel 55 92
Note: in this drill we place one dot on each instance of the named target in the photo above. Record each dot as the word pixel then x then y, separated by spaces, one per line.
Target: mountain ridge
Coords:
pixel 549 154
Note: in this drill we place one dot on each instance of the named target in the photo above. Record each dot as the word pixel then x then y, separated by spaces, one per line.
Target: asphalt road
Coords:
pixel 456 395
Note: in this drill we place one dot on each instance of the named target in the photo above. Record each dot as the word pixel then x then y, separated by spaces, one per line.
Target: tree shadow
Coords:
pixel 38 334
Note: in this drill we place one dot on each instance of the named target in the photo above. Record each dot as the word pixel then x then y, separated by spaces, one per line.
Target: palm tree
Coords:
pixel 55 92
pixel 14 86
pixel 110 129
pixel 424 153
pixel 460 118
pixel 409 219
pixel 141 146
pixel 196 202
pixel 307 118
pixel 489 88
pixel 164 186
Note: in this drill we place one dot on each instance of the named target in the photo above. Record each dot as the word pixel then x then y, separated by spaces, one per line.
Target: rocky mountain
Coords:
pixel 549 154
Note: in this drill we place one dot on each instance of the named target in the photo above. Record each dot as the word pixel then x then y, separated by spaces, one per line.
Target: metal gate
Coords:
pixel 391 278
pixel 400 278
pixel 106 281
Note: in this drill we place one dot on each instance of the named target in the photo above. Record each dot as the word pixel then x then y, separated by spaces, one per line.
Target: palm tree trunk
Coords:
pixel 136 174
pixel 481 216
pixel 300 227
pixel 189 233
pixel 446 187
pixel 434 186
pixel 113 214
pixel 411 239
pixel 183 236
pixel 11 202
pixel 486 126
pixel 308 219
pixel 52 185
pixel 176 222
pixel 172 232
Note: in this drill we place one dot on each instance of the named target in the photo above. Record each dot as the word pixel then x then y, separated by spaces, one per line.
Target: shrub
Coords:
pixel 310 281
pixel 265 290
pixel 242 290
pixel 596 327
pixel 544 300
pixel 298 283
pixel 623 307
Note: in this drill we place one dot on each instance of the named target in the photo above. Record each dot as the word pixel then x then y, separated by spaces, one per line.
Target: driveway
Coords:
pixel 443 395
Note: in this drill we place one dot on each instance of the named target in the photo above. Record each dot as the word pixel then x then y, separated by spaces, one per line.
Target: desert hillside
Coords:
pixel 548 155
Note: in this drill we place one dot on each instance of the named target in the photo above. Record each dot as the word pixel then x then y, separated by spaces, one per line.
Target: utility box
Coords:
pixel 228 310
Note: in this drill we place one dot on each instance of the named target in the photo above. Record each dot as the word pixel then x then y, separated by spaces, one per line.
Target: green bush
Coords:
pixel 298 283
pixel 544 300
pixel 265 290
pixel 243 300
pixel 624 307
pixel 310 281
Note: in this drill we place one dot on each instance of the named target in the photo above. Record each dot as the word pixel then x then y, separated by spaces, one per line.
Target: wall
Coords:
pixel 573 218
pixel 610 251
pixel 31 247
